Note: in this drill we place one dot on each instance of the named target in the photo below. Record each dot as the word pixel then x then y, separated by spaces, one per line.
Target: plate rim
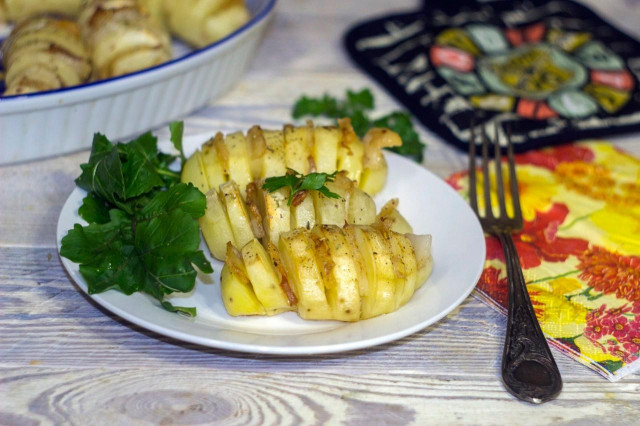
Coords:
pixel 217 343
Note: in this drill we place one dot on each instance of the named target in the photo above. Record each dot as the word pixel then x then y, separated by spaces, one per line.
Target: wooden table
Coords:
pixel 63 359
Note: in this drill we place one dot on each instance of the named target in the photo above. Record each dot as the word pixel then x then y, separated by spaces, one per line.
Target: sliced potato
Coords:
pixel 405 266
pixel 239 166
pixel 374 173
pixel 253 209
pixel 276 213
pixel 361 209
pixel 193 171
pixel 215 226
pixel 299 261
pixel 338 271
pixel 350 151
pixel 257 149
pixel 236 290
pixel 330 211
pixel 325 149
pixel 274 159
pixel 422 248
pixel 384 271
pixel 358 240
pixel 303 215
pixel 237 213
pixel 390 218
pixel 264 278
pixel 298 141
pixel 214 163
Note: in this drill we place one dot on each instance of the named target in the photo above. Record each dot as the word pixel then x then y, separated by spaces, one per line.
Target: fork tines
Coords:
pixel 489 220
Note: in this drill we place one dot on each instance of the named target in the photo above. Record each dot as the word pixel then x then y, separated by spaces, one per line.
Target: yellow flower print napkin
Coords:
pixel 579 250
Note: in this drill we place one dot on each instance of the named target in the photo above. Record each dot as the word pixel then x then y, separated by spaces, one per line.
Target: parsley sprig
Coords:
pixel 142 232
pixel 298 183
pixel 357 106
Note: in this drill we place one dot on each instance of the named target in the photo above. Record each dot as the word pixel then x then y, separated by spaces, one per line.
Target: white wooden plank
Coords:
pixel 133 396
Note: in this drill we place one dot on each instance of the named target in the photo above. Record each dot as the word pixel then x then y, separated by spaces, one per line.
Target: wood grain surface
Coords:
pixel 65 360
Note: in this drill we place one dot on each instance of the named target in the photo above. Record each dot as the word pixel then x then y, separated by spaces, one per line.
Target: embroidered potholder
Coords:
pixel 555 71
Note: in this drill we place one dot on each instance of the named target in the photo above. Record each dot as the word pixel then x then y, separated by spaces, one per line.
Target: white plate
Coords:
pixel 429 204
pixel 40 125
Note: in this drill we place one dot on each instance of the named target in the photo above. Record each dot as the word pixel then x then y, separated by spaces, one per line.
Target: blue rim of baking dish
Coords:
pixel 262 14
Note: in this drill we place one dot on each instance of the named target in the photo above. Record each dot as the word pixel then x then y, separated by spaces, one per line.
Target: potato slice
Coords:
pixel 276 213
pixel 215 226
pixel 274 159
pixel 356 255
pixel 213 162
pixel 304 214
pixel 239 167
pixel 374 173
pixel 339 272
pixel 264 278
pixel 284 280
pixel 422 248
pixel 298 142
pixel 257 149
pixel 330 211
pixel 253 209
pixel 381 257
pixel 361 209
pixel 325 148
pixel 390 218
pixel 237 213
pixel 405 266
pixel 193 171
pixel 361 249
pixel 299 261
pixel 350 151
pixel 237 293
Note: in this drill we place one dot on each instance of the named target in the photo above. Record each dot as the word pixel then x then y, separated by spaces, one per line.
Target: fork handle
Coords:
pixel 529 371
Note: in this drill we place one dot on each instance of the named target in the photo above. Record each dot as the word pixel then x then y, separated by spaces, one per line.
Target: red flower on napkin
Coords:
pixel 610 272
pixel 549 158
pixel 538 240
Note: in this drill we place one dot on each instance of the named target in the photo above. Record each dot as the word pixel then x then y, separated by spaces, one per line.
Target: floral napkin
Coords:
pixel 579 250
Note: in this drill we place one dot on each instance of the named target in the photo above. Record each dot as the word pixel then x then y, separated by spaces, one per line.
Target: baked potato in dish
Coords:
pixel 122 37
pixel 18 10
pixel 44 53
pixel 202 22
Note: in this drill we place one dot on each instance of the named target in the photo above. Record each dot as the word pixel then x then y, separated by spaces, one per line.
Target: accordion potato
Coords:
pixel 327 272
pixel 266 153
pixel 122 37
pixel 202 22
pixel 44 53
pixel 233 218
pixel 18 10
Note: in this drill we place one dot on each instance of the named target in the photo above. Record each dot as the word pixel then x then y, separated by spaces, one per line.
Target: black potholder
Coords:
pixel 554 70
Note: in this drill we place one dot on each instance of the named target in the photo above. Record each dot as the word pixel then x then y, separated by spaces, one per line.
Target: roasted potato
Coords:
pixel 232 217
pixel 122 37
pixel 202 22
pixel 266 153
pixel 44 53
pixel 336 273
pixel 19 10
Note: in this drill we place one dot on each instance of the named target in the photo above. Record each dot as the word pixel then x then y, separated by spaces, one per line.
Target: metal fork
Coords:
pixel 529 371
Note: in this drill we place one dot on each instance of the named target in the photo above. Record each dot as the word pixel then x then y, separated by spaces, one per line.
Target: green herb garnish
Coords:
pixel 298 182
pixel 356 106
pixel 143 233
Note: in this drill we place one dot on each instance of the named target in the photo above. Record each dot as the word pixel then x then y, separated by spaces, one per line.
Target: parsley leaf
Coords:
pixel 298 182
pixel 142 232
pixel 356 106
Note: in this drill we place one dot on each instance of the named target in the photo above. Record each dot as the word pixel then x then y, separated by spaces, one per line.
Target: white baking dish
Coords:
pixel 50 123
